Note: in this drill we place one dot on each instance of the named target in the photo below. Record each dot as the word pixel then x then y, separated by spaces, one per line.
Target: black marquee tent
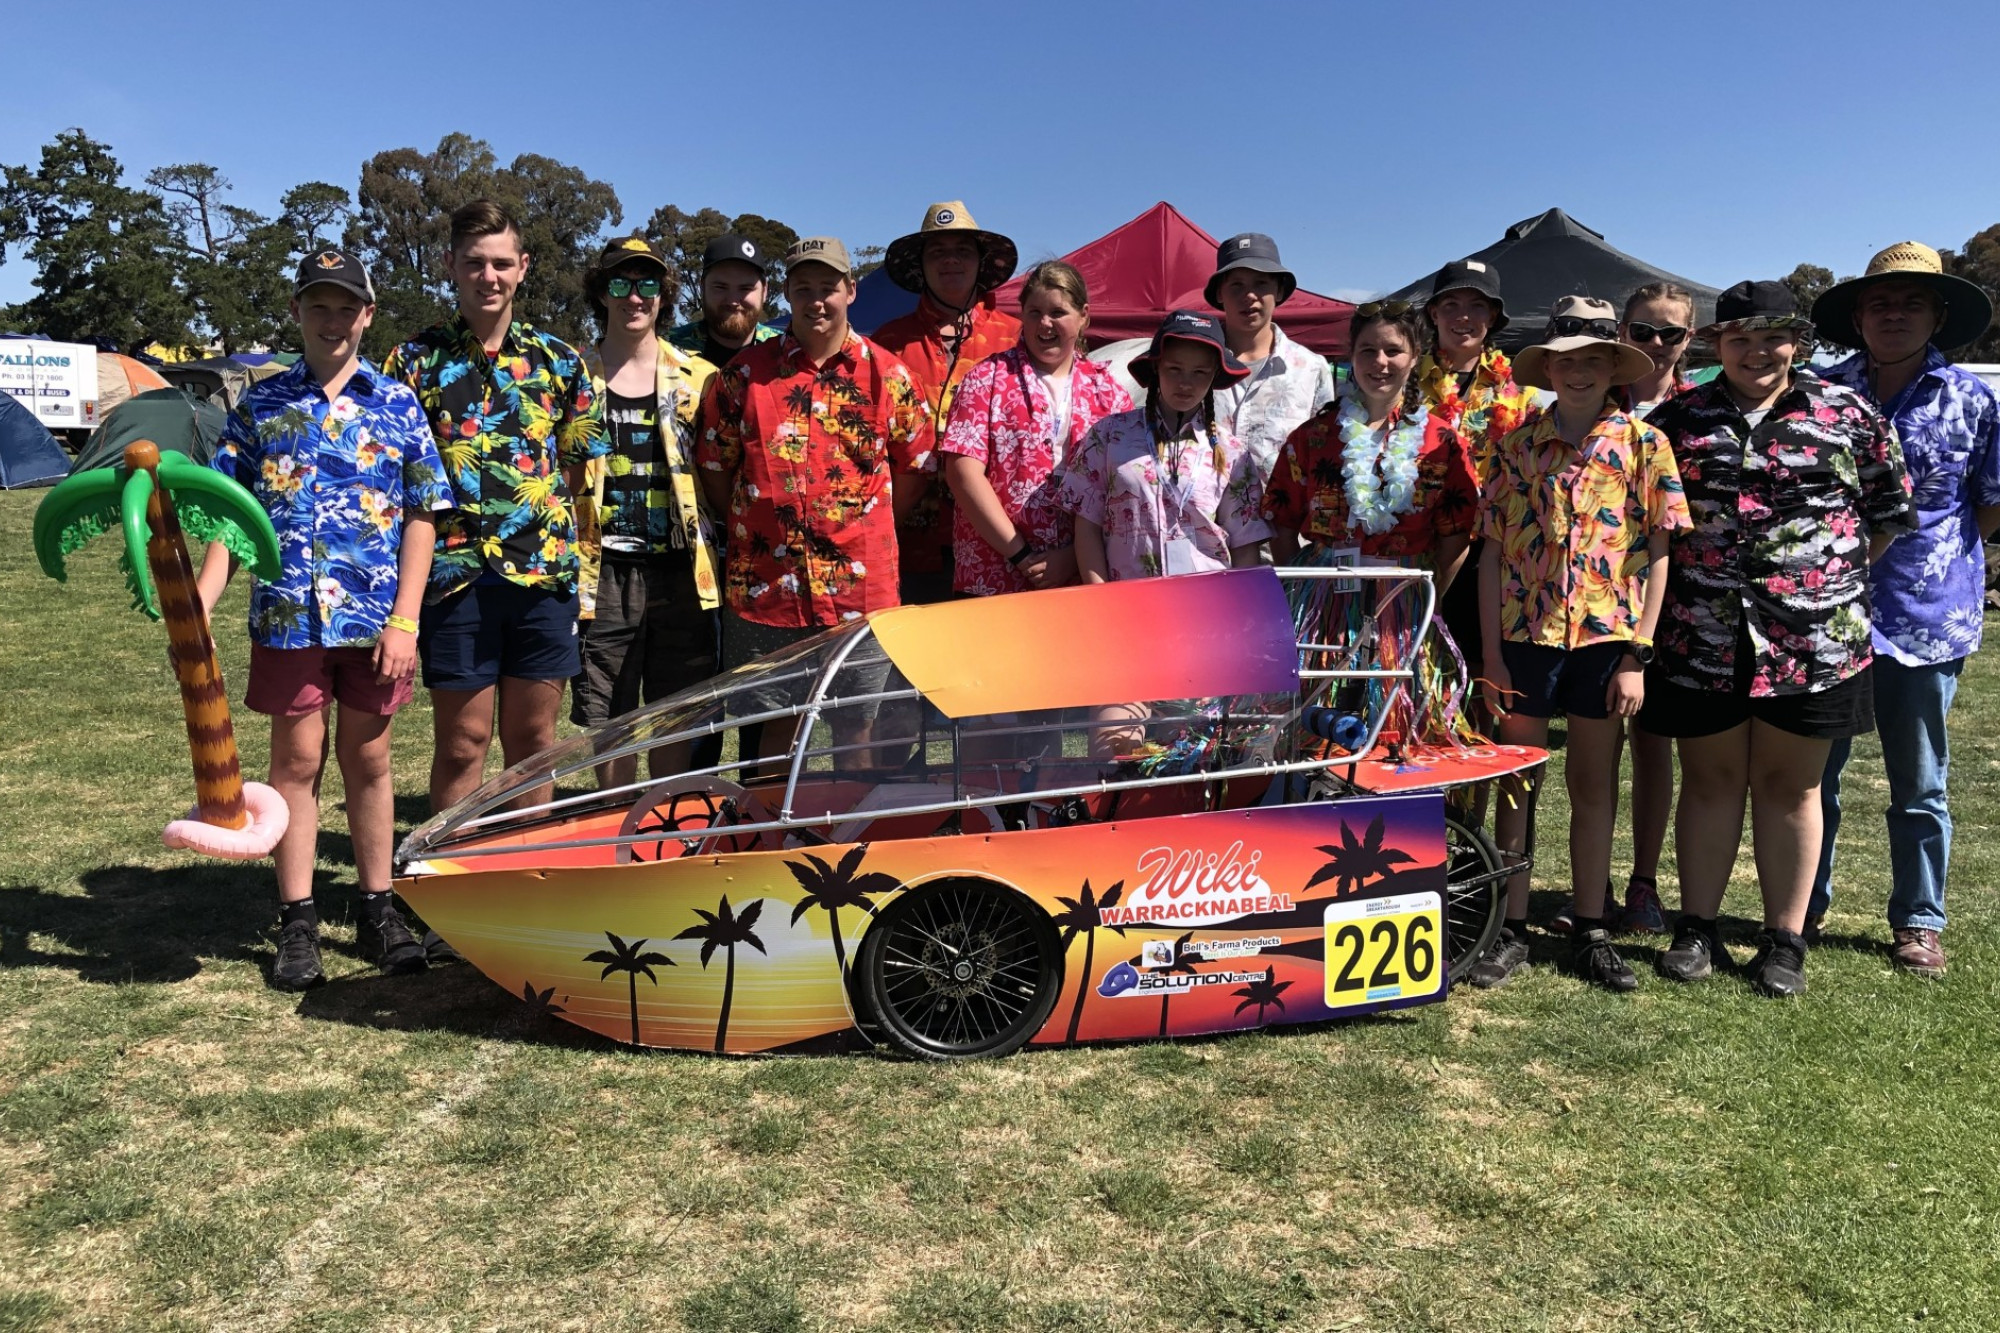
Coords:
pixel 1552 256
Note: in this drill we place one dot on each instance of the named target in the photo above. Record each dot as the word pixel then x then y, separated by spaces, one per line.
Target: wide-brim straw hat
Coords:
pixel 904 259
pixel 1599 321
pixel 1968 310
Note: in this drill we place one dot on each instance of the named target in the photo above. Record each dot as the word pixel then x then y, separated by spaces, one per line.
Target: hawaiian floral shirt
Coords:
pixel 336 479
pixel 678 380
pixel 506 426
pixel 1492 407
pixel 1204 490
pixel 1779 547
pixel 688 337
pixel 809 451
pixel 1002 418
pixel 1307 491
pixel 914 340
pixel 1573 525
pixel 1275 399
pixel 1927 590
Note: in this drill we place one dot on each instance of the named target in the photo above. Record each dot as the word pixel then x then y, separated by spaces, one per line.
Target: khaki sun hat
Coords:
pixel 904 259
pixel 1967 308
pixel 1576 322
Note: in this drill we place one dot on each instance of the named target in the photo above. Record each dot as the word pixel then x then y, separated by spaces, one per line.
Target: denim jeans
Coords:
pixel 1910 708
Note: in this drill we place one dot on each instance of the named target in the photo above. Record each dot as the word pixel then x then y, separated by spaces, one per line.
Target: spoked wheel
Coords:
pixel 1475 899
pixel 692 814
pixel 958 968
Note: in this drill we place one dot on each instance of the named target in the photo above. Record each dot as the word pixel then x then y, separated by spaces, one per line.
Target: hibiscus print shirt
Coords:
pixel 810 451
pixel 1002 419
pixel 1492 407
pixel 506 425
pixel 1928 589
pixel 1307 490
pixel 336 478
pixel 914 340
pixel 1779 548
pixel 1573 524
pixel 1204 490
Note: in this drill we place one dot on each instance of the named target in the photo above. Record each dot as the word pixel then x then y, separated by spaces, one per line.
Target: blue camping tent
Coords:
pixel 29 455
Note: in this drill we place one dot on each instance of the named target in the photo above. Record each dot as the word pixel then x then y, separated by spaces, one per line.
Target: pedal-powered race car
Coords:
pixel 1141 809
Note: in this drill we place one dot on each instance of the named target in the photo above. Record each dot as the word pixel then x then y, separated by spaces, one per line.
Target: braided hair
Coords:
pixel 1411 324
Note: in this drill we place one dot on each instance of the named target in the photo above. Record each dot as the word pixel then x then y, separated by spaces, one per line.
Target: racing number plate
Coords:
pixel 1384 949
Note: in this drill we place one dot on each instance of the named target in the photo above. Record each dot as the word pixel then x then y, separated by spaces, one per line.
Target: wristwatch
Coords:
pixel 1640 650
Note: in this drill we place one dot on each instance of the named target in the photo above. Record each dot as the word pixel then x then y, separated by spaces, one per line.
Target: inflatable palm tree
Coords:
pixel 156 501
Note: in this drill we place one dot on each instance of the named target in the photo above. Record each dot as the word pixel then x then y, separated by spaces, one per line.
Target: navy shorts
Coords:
pixel 1558 680
pixel 480 633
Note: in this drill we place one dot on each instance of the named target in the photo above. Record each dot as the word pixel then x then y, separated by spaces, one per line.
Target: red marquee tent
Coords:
pixel 1160 261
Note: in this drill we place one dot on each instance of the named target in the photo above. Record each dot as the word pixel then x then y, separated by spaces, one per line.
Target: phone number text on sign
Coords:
pixel 1380 949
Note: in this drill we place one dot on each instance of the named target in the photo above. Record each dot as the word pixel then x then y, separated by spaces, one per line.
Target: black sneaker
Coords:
pixel 1596 960
pixel 1507 955
pixel 1779 967
pixel 438 951
pixel 297 966
pixel 1692 956
pixel 389 944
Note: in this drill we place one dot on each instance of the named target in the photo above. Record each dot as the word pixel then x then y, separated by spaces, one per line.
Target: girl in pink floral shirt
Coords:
pixel 1162 490
pixel 1017 418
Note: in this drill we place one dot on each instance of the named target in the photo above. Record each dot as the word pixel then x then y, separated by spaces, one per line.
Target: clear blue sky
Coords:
pixel 1719 141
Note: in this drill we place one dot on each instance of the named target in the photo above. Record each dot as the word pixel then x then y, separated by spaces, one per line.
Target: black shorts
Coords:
pixel 1573 681
pixel 648 638
pixel 1847 709
pixel 1459 610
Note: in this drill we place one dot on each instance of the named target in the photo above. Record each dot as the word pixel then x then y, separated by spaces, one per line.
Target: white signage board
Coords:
pixel 55 381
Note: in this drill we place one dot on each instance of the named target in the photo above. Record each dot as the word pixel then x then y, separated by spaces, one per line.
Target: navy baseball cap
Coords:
pixel 337 267
pixel 1191 326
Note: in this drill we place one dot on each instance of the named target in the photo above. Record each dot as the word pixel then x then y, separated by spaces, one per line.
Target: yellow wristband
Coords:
pixel 403 623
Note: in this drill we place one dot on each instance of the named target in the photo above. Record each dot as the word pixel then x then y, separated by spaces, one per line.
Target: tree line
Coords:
pixel 174 261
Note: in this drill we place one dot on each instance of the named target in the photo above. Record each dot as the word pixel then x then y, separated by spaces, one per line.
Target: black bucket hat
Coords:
pixel 1471 275
pixel 1188 326
pixel 1258 253
pixel 1752 304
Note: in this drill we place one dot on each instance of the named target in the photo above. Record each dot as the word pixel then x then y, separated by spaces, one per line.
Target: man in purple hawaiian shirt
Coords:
pixel 1926 591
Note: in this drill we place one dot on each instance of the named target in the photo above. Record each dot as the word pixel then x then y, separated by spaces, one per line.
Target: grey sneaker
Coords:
pixel 389 944
pixel 297 965
pixel 1506 956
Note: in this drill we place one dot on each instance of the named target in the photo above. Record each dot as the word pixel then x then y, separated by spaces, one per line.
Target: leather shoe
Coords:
pixel 1917 951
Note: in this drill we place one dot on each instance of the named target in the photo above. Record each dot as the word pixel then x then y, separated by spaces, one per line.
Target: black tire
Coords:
pixel 1475 900
pixel 957 969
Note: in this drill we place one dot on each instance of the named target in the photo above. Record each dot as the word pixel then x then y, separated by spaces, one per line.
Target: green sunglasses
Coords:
pixel 620 288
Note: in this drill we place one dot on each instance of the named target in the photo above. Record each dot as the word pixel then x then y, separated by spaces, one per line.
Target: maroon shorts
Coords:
pixel 291 682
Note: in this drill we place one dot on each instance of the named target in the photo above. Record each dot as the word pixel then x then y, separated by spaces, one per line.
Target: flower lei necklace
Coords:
pixel 1373 504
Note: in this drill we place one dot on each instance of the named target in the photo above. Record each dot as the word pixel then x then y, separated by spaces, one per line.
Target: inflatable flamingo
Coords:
pixel 150 497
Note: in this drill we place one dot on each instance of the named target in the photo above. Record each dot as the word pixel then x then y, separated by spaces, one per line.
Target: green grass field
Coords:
pixel 182 1148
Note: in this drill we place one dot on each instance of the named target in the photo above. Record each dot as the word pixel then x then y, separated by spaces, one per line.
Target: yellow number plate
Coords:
pixel 1382 949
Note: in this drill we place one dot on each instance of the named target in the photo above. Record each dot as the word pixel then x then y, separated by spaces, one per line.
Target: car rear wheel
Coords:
pixel 958 968
pixel 1475 895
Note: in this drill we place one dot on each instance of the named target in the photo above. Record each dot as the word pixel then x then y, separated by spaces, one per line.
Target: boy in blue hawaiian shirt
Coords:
pixel 342 459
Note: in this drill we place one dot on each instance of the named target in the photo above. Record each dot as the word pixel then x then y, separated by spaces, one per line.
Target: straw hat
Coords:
pixel 1575 322
pixel 1967 308
pixel 904 260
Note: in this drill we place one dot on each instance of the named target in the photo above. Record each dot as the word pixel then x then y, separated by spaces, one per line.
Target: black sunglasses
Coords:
pixel 1669 335
pixel 1569 326
pixel 1393 309
pixel 620 288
